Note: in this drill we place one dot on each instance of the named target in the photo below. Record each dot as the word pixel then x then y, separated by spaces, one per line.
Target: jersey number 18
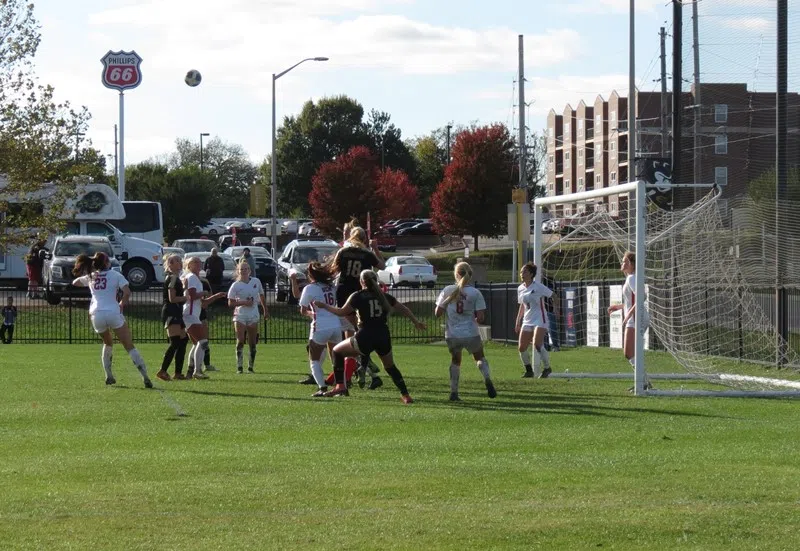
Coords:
pixel 353 268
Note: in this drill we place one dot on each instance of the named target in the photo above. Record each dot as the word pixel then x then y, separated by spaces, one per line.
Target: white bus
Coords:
pixel 143 219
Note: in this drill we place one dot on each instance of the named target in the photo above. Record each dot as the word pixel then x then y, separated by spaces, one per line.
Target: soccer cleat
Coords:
pixel 308 381
pixel 320 393
pixel 111 381
pixel 338 390
pixel 376 383
pixel 210 367
pixel 527 375
pixel 239 371
pixel 250 370
pixel 148 383
pixel 362 376
pixel 454 397
pixel 179 377
pixel 490 390
pixel 407 399
pixel 200 375
pixel 163 375
pixel 545 373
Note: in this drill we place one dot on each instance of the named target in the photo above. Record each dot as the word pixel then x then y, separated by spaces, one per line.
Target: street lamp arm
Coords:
pixel 279 75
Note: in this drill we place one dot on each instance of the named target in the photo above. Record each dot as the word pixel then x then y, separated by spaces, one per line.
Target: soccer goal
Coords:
pixel 709 317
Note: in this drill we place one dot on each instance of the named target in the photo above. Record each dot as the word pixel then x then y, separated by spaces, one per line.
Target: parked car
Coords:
pixel 194 245
pixel 174 250
pixel 291 226
pixel 266 269
pixel 414 271
pixel 261 242
pixel 211 229
pixel 296 256
pixel 425 228
pixel 227 272
pixel 262 225
pixel 394 223
pixel 238 225
pixel 385 241
pixel 305 228
pixel 57 270
pixel 395 229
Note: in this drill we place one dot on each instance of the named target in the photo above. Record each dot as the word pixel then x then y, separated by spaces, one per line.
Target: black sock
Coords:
pixel 174 343
pixel 397 378
pixel 180 354
pixel 364 360
pixel 338 368
pixel 528 368
pixel 207 357
pixel 252 355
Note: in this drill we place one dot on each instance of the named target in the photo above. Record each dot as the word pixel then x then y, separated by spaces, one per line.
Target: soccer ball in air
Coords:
pixel 193 78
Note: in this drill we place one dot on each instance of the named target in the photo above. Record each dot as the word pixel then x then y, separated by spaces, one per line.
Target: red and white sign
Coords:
pixel 121 70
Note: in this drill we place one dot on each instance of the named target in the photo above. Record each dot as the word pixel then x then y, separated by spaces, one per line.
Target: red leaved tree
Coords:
pixel 472 198
pixel 353 185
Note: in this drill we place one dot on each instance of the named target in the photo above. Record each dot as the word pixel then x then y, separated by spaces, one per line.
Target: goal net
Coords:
pixel 709 274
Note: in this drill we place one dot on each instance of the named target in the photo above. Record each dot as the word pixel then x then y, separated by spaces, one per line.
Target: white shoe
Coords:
pixel 199 375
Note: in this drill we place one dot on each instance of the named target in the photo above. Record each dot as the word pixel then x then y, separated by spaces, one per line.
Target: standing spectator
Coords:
pixel 34 263
pixel 214 267
pixel 9 317
pixel 251 261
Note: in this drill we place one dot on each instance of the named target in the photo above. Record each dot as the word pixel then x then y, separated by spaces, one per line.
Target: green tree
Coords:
pixel 230 167
pixel 762 189
pixel 36 133
pixel 430 162
pixel 181 192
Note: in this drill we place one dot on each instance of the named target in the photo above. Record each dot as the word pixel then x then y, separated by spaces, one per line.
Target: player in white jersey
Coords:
pixel 244 296
pixel 465 309
pixel 326 328
pixel 106 310
pixel 628 306
pixel 532 322
pixel 198 333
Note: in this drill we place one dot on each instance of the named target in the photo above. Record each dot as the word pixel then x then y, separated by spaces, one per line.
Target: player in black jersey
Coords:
pixel 172 318
pixel 354 257
pixel 373 308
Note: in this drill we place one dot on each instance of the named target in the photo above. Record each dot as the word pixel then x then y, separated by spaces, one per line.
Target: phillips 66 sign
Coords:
pixel 121 70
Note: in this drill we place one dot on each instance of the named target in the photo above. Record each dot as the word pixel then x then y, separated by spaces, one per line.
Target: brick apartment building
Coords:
pixel 587 146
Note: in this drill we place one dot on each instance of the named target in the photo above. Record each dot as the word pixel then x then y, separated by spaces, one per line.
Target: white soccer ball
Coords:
pixel 193 78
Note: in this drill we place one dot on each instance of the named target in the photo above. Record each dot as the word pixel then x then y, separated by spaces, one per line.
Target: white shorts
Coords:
pixel 191 319
pixel 530 328
pixel 646 319
pixel 246 319
pixel 324 336
pixel 456 344
pixel 104 320
pixel 346 325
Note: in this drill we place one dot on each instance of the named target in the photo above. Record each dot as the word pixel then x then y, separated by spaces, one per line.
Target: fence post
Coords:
pixel 69 301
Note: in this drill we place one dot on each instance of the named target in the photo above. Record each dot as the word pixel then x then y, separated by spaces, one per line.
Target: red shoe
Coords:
pixel 163 375
pixel 339 390
pixel 407 399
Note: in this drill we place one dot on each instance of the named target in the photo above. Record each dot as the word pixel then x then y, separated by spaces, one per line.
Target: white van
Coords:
pixel 93 212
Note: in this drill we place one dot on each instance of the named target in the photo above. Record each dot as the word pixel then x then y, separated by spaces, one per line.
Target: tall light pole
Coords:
pixel 273 196
pixel 202 134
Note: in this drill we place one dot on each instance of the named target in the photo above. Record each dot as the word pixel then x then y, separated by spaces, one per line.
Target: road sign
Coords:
pixel 121 70
pixel 519 195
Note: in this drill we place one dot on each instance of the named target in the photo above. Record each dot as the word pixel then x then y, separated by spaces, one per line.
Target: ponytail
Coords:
pixel 358 237
pixel 83 265
pixel 463 276
pixel 320 273
pixel 370 279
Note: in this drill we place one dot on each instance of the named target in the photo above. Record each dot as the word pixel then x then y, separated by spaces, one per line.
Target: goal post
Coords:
pixel 695 286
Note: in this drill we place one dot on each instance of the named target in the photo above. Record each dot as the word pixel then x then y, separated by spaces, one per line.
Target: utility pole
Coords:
pixel 677 92
pixel 523 229
pixel 664 103
pixel 698 109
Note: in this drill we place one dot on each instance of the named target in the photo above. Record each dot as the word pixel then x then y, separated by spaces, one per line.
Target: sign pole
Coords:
pixel 121 178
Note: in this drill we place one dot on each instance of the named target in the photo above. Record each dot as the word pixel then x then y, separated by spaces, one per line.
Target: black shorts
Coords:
pixel 342 294
pixel 374 339
pixel 172 314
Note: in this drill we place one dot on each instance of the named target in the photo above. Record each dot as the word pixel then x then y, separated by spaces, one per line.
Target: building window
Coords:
pixel 551 160
pixel 580 184
pixel 613 177
pixel 567 189
pixel 721 144
pixel 598 179
pixel 580 124
pixel 580 156
pixel 566 155
pixel 721 175
pixel 613 208
pixel 721 112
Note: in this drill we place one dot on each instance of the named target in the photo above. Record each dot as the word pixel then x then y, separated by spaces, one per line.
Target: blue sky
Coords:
pixel 426 62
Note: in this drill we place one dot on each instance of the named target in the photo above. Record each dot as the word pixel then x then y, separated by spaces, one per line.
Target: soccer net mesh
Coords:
pixel 710 277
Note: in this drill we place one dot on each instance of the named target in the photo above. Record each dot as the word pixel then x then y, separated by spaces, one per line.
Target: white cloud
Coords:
pixel 759 24
pixel 614 6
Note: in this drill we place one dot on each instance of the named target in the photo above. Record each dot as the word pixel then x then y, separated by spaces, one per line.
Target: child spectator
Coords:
pixel 9 317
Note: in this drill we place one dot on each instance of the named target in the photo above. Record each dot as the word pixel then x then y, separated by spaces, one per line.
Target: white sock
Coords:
pixel 106 358
pixel 537 361
pixel 138 362
pixel 316 371
pixel 545 354
pixel 190 363
pixel 199 353
pixel 324 356
pixel 483 367
pixel 525 357
pixel 455 372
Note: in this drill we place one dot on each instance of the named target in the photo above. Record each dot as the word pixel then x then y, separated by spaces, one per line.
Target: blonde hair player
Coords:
pixel 628 267
pixel 198 333
pixel 465 308
pixel 244 296
pixel 531 324
pixel 106 312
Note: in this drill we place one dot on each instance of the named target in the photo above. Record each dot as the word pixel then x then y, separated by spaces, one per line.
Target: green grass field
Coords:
pixel 258 464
